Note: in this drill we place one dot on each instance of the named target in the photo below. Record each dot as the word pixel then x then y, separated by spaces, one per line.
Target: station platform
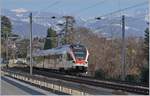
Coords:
pixel 10 86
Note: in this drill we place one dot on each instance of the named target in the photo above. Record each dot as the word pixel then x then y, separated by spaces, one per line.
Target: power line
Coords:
pixel 51 5
pixel 137 5
pixel 41 17
pixel 48 17
pixel 127 8
pixel 94 5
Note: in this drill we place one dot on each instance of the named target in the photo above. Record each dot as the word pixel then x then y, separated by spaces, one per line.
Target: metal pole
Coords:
pixel 123 57
pixel 7 48
pixel 30 43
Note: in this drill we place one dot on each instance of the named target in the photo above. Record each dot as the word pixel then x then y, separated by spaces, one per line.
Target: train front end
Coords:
pixel 80 58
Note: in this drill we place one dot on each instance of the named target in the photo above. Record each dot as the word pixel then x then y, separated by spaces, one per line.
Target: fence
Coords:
pixel 57 84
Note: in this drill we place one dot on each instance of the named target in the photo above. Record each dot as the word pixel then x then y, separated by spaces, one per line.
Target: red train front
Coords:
pixel 80 57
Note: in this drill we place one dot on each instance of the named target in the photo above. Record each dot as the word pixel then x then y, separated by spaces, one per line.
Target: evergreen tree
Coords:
pixel 6 26
pixel 50 41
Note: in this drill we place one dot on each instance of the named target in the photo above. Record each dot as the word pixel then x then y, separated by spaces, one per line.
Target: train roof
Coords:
pixel 54 51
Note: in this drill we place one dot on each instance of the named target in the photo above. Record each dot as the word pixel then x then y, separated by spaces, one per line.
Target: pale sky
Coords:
pixel 81 8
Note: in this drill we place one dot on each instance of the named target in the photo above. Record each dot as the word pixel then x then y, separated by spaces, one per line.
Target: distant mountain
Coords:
pixel 20 22
pixel 134 26
pixel 135 23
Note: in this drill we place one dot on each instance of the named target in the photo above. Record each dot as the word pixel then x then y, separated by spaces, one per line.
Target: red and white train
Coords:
pixel 70 58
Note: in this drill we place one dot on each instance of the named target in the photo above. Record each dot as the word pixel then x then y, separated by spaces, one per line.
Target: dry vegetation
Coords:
pixel 105 55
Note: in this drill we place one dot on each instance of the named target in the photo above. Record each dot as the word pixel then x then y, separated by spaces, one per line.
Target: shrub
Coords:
pixel 132 78
pixel 144 75
pixel 100 74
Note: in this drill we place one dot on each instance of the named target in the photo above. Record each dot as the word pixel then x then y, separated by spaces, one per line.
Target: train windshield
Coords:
pixel 79 51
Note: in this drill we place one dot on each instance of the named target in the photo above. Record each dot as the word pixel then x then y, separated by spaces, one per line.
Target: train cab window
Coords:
pixel 80 54
pixel 79 51
pixel 69 57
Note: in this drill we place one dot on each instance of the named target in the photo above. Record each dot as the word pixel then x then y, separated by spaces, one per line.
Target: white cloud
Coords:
pixel 19 10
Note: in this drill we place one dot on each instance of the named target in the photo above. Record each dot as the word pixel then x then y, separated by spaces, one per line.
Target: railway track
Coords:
pixel 88 77
pixel 93 78
pixel 98 83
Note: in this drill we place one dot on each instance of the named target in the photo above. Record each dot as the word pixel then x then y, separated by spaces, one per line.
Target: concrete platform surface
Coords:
pixel 10 86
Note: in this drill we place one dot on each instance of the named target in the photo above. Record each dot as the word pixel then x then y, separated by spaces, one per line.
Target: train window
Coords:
pixel 69 57
pixel 79 51
pixel 80 54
